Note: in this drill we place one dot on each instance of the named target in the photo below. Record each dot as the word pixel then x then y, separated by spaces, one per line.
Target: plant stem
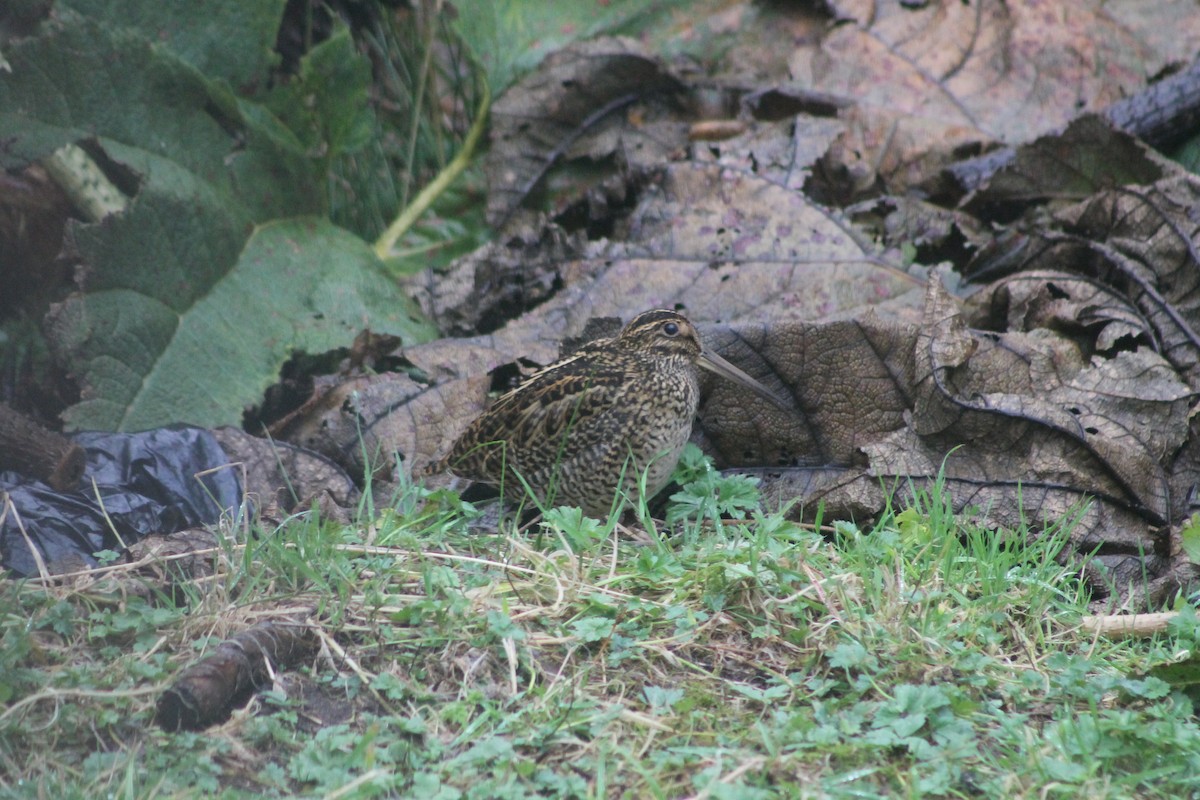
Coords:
pixel 425 198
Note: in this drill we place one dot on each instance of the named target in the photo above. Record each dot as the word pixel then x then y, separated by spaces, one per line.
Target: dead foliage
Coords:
pixel 1059 381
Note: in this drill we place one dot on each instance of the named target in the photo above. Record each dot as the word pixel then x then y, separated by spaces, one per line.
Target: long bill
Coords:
pixel 719 366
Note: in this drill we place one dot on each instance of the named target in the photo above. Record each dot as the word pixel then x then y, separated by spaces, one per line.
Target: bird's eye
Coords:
pixel 670 328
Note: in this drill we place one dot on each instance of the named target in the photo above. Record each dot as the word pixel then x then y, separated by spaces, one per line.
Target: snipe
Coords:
pixel 588 426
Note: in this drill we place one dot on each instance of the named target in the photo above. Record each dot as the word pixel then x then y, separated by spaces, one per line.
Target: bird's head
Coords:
pixel 668 333
pixel 662 333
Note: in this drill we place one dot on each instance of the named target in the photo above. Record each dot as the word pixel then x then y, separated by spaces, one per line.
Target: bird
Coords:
pixel 583 430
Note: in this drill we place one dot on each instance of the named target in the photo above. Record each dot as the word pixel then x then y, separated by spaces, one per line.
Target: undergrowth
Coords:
pixel 723 652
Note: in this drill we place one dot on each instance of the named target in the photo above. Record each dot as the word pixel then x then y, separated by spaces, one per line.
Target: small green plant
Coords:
pixel 580 533
pixel 708 495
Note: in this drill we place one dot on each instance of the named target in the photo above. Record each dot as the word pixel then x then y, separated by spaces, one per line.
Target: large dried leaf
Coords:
pixel 936 81
pixel 372 423
pixel 1169 29
pixel 984 65
pixel 582 90
pixel 851 383
pixel 1119 274
pixel 1074 305
pixel 1019 407
pixel 282 478
pixel 884 149
pixel 783 152
pixel 721 245
pixel 1020 423
pixel 717 243
pixel 1133 253
pixel 1150 240
pixel 1088 156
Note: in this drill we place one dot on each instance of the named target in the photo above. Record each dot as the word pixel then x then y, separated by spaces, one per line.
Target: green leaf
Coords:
pixel 502 625
pixel 849 655
pixel 1189 537
pixel 710 495
pixel 197 293
pixel 80 80
pixel 326 106
pixel 661 698
pixel 1063 771
pixel 593 629
pixel 240 51
pixel 1149 688
pixel 511 37
pixel 763 695
pixel 580 531
pixel 204 354
pixel 1180 674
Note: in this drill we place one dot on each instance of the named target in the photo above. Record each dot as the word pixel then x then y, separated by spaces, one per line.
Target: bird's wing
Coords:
pixel 539 413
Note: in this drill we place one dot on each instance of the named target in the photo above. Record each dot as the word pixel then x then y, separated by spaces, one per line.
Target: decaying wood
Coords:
pixel 38 452
pixel 209 690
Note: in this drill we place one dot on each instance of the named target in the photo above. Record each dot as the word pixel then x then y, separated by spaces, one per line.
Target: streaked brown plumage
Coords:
pixel 592 423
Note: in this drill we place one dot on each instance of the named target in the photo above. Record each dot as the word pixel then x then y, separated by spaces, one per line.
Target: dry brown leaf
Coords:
pixel 1019 424
pixel 281 476
pixel 1150 239
pixel 1073 305
pixel 1031 400
pixel 850 382
pixel 1138 247
pixel 1088 156
pixel 376 421
pixel 783 152
pixel 1055 392
pixel 574 105
pixel 1012 70
pixel 890 151
pixel 1169 29
pixel 499 281
pixel 718 244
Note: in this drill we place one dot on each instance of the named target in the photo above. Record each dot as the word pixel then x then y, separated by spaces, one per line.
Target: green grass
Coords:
pixel 725 654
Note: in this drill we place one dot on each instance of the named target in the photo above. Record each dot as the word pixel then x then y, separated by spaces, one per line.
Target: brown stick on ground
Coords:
pixel 38 452
pixel 209 690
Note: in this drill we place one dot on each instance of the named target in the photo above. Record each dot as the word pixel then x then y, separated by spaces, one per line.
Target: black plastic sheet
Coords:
pixel 145 483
